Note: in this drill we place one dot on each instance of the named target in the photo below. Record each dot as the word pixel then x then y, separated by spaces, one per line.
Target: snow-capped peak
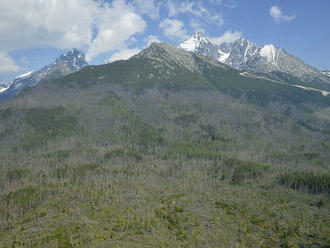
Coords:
pixel 73 53
pixel 241 41
pixel 199 36
pixel 25 75
pixel 67 63
pixel 194 42
pixel 73 58
pixel 243 54
pixel 269 52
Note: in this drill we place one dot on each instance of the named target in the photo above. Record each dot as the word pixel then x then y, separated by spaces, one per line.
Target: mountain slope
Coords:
pixel 164 70
pixel 266 59
pixel 67 63
pixel 169 148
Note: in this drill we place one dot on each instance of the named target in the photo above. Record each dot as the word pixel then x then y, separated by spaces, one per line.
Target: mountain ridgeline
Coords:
pixel 167 149
pixel 69 62
pixel 172 95
pixel 267 59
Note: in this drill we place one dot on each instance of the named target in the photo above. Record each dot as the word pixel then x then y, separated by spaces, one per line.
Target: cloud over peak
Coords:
pixel 227 37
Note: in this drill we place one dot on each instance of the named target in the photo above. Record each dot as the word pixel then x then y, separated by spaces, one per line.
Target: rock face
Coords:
pixel 69 62
pixel 246 55
pixel 198 43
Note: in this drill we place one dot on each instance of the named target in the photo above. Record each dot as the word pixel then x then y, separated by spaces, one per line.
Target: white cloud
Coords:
pixel 150 39
pixel 173 29
pixel 196 26
pixel 117 23
pixel 217 2
pixel 58 23
pixel 148 7
pixel 217 19
pixel 176 7
pixel 227 3
pixel 7 64
pixel 63 24
pixel 123 55
pixel 277 14
pixel 197 9
pixel 228 36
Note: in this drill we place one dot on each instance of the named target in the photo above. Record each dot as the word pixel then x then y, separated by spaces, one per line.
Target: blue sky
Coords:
pixel 34 33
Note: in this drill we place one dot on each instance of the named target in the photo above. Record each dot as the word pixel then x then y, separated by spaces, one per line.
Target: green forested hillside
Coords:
pixel 167 149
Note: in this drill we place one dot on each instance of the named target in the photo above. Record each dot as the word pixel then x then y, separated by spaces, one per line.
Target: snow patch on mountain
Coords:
pixel 4 86
pixel 190 45
pixel 25 75
pixel 327 73
pixel 246 55
pixel 67 63
pixel 223 56
pixel 268 51
pixel 196 41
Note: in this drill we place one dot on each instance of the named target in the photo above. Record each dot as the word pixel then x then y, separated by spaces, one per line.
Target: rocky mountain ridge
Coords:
pixel 266 59
pixel 69 62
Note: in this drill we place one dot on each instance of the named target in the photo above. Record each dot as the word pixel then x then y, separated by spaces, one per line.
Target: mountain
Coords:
pixel 327 73
pixel 200 44
pixel 4 86
pixel 267 59
pixel 151 83
pixel 166 149
pixel 69 62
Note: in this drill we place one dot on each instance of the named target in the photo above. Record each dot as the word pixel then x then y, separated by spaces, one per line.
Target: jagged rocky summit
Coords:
pixel 266 59
pixel 69 62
